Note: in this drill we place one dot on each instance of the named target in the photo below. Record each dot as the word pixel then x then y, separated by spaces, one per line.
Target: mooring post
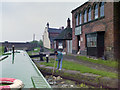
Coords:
pixel 41 57
pixel 47 58
pixel 13 54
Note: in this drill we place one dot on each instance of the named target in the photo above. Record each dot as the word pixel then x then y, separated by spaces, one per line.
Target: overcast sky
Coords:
pixel 20 20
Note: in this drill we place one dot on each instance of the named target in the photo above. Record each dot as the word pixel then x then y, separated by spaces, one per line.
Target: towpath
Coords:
pixel 92 65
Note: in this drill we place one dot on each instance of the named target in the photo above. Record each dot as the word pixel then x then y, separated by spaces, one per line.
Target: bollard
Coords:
pixel 47 59
pixel 13 54
pixel 41 57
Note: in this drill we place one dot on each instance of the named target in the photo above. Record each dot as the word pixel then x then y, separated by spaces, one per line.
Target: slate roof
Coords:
pixel 53 31
pixel 66 34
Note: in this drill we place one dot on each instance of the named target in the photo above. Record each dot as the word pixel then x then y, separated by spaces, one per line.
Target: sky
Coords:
pixel 19 20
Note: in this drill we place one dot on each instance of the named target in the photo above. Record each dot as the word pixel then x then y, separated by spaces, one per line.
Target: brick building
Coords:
pixel 64 39
pixel 18 45
pixel 95 27
pixel 49 36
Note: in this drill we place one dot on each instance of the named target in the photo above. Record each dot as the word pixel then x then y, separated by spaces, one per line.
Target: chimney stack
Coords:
pixel 47 24
pixel 68 23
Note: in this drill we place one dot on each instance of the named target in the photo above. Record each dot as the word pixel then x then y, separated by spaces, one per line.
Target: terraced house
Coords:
pixel 95 29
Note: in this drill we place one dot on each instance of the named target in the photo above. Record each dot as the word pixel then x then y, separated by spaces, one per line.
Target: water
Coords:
pixel 21 69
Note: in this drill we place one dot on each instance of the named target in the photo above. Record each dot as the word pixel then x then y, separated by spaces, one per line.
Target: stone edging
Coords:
pixel 3 57
pixel 88 78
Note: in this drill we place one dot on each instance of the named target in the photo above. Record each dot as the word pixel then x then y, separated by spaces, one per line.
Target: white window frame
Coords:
pixel 96 11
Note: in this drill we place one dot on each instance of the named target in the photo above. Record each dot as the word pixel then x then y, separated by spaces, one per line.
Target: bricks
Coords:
pixel 105 23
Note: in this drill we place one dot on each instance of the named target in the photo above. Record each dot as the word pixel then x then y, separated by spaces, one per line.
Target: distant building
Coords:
pixel 49 35
pixel 64 39
pixel 95 29
pixel 18 45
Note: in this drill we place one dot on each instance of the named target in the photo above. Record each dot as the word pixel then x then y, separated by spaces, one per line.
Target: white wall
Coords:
pixel 69 46
pixel 46 40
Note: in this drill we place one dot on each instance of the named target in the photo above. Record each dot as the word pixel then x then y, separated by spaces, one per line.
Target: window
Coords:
pixel 80 18
pixel 76 20
pixel 101 9
pixel 96 11
pixel 91 40
pixel 60 45
pixel 89 14
pixel 85 16
pixel 54 44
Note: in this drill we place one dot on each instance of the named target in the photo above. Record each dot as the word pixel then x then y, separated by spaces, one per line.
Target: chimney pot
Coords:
pixel 68 23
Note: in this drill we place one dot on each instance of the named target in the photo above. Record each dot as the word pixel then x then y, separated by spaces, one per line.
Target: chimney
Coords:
pixel 62 28
pixel 68 23
pixel 47 24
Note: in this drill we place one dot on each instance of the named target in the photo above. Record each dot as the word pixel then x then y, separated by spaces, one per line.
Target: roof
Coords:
pixel 54 30
pixel 53 33
pixel 66 34
pixel 79 7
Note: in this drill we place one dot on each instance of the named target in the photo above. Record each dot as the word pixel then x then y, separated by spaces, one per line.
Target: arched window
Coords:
pixel 101 9
pixel 80 19
pixel 96 11
pixel 89 14
pixel 76 20
pixel 85 16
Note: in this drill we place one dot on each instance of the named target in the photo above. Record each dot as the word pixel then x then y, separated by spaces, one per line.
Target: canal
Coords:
pixel 59 82
pixel 23 69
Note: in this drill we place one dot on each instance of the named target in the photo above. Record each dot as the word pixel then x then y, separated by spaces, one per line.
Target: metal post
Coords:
pixel 41 57
pixel 47 59
pixel 13 54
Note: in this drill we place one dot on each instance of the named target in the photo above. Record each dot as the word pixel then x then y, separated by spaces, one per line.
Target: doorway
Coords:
pixel 78 43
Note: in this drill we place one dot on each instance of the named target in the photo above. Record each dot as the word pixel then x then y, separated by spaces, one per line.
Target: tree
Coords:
pixel 40 43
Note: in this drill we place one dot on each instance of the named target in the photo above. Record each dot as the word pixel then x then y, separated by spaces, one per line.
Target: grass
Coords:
pixel 110 63
pixel 37 49
pixel 52 50
pixel 1 50
pixel 69 65
pixel 34 51
pixel 29 52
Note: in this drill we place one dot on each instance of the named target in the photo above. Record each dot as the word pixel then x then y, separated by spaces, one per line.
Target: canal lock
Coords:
pixel 59 82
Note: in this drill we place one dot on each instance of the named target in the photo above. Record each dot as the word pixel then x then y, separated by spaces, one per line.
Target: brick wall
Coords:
pixel 117 30
pixel 105 23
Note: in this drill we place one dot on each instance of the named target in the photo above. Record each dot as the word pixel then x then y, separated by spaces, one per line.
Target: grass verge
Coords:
pixel 110 63
pixel 1 50
pixel 69 65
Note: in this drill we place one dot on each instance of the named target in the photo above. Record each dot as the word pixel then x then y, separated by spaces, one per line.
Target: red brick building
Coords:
pixel 95 27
